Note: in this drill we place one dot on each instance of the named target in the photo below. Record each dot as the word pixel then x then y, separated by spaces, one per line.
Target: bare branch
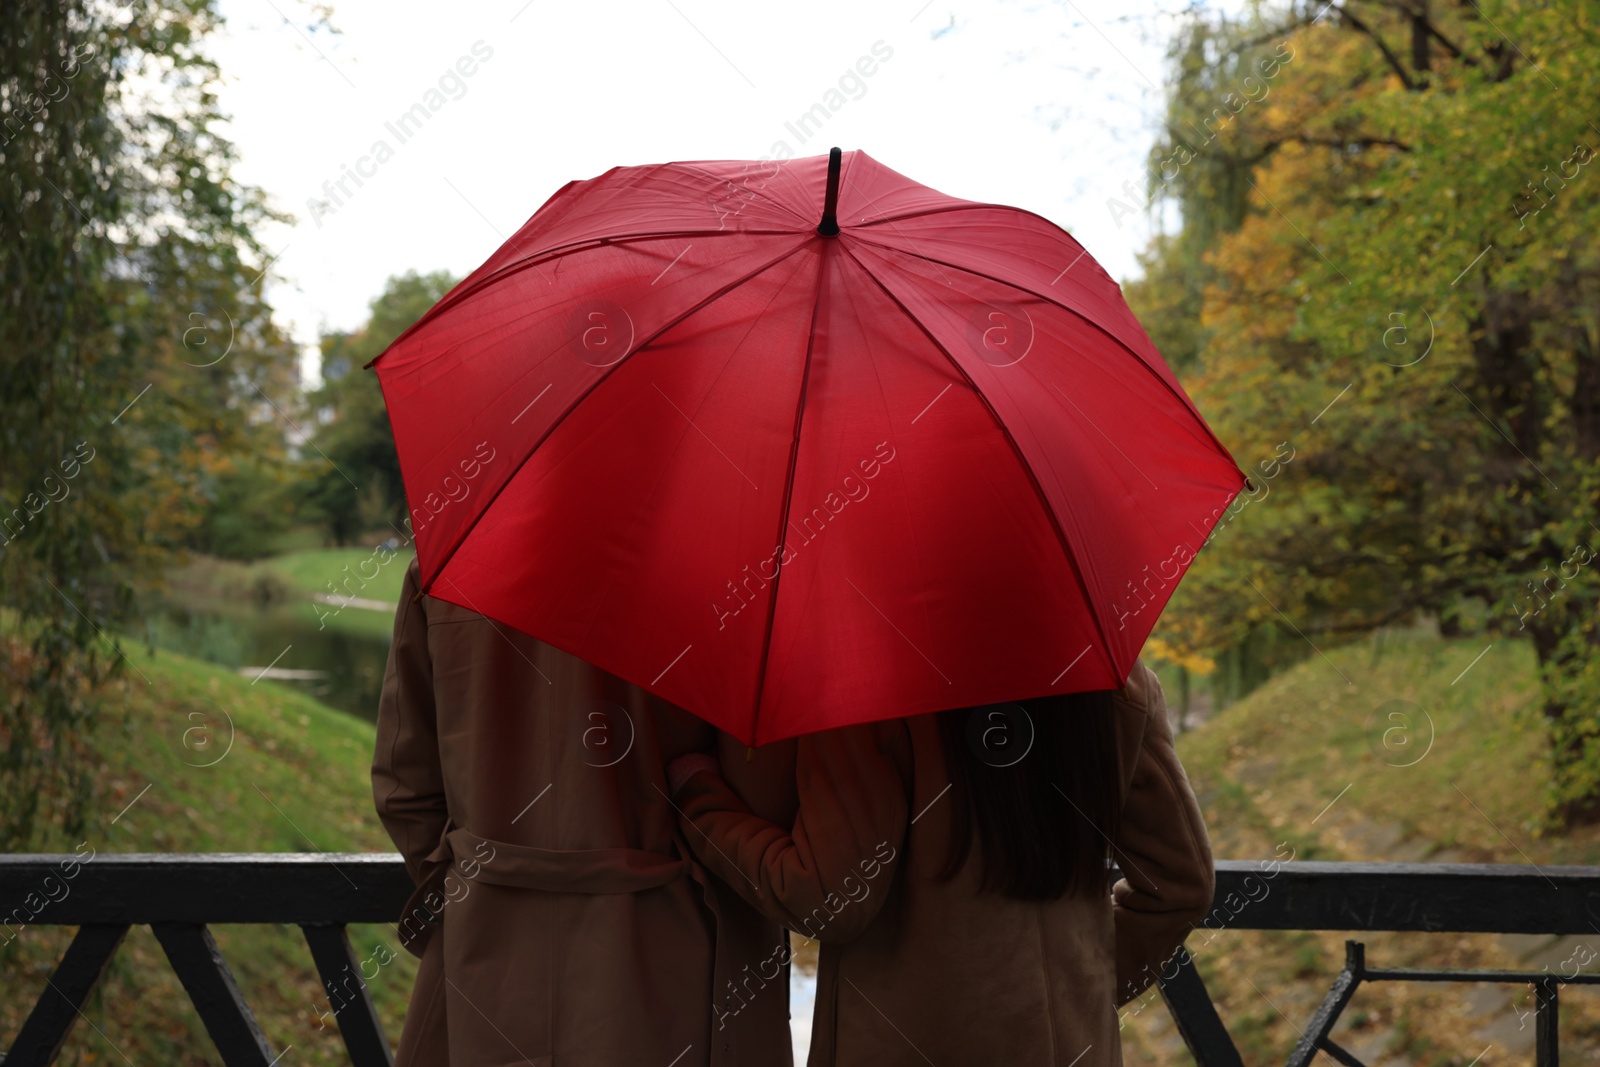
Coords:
pixel 1389 56
pixel 1341 142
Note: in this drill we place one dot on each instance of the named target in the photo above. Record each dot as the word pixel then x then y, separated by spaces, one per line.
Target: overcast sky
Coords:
pixel 1046 105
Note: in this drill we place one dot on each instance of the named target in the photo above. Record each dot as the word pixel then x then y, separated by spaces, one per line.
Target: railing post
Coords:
pixel 1546 1022
pixel 1316 1033
pixel 1196 1016
pixel 81 967
pixel 198 962
pixel 363 1034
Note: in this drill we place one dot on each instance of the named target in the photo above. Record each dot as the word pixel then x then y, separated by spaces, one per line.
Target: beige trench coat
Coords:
pixel 914 970
pixel 560 919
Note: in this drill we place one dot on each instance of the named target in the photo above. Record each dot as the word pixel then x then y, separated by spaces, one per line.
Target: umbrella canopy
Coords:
pixel 795 447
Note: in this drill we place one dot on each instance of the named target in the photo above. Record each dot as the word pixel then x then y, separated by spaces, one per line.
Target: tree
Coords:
pixel 129 261
pixel 354 482
pixel 1409 309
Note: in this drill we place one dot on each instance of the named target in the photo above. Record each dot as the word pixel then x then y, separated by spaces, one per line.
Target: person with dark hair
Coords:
pixel 953 867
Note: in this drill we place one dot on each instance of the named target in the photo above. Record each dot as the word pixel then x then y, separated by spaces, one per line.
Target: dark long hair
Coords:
pixel 1036 783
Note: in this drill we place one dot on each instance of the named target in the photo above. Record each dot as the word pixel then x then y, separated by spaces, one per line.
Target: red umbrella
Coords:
pixel 792 475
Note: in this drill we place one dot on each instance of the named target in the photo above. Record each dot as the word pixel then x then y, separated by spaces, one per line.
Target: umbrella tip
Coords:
pixel 829 226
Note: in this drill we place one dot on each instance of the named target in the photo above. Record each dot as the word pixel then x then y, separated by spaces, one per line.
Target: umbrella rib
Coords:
pixel 969 205
pixel 452 298
pixel 1177 394
pixel 1033 480
pixel 609 371
pixel 788 489
pixel 965 205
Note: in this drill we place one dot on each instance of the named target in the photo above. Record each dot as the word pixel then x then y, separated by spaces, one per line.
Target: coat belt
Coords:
pixel 598 870
pixel 474 858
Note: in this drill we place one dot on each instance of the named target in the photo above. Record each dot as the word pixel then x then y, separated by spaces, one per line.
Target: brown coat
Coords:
pixel 526 791
pixel 914 970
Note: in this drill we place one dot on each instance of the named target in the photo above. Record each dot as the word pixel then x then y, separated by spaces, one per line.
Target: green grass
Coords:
pixel 1406 737
pixel 362 622
pixel 294 778
pixel 297 538
pixel 296 577
pixel 307 573
pixel 1316 759
pixel 1304 760
pixel 356 572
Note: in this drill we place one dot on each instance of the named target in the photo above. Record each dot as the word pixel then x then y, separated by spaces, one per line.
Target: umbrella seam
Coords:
pixel 473 341
pixel 1181 397
pixel 1016 450
pixel 938 210
pixel 656 485
pixel 965 205
pixel 609 371
pixel 565 190
pixel 449 301
pixel 788 491
pixel 467 343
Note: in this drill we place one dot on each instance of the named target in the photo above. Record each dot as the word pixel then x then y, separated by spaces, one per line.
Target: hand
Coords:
pixel 681 769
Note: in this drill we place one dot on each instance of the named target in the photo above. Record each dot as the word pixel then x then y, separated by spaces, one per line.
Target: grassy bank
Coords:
pixel 352 571
pixel 196 759
pixel 298 578
pixel 1402 748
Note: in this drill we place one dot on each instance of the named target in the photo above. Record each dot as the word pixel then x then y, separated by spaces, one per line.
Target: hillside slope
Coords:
pixel 199 759
pixel 1332 759
pixel 1402 747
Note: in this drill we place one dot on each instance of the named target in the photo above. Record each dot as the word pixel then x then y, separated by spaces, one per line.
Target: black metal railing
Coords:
pixel 1445 898
pixel 181 895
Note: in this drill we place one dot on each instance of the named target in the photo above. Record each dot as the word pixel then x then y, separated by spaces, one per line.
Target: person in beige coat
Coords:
pixel 930 954
pixel 559 916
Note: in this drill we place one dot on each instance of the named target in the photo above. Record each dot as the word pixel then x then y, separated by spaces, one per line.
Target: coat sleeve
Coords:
pixel 1162 849
pixel 764 778
pixel 828 875
pixel 407 779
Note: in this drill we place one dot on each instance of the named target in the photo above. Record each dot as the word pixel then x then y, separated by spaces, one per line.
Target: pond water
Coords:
pixel 343 669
